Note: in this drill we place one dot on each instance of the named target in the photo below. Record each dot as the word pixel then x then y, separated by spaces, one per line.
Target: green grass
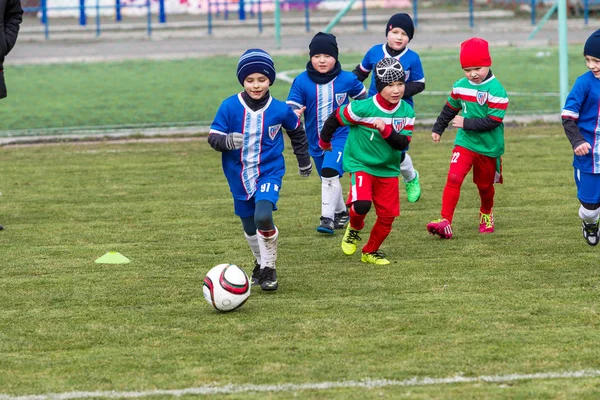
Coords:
pixel 189 91
pixel 522 300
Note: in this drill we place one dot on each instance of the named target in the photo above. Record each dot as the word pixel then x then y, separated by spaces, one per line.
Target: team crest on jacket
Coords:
pixel 273 130
pixel 340 98
pixel 482 97
pixel 398 124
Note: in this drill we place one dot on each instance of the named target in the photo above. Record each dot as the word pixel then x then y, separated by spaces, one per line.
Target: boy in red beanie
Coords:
pixel 399 31
pixel 479 142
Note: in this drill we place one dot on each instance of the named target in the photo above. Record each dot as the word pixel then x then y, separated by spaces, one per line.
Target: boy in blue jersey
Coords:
pixel 580 119
pixel 247 130
pixel 318 92
pixel 399 31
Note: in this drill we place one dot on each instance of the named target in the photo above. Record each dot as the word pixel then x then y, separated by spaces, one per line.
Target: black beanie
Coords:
pixel 323 43
pixel 402 21
pixel 592 45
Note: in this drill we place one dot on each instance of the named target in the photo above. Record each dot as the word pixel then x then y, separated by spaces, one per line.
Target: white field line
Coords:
pixel 287 76
pixel 289 387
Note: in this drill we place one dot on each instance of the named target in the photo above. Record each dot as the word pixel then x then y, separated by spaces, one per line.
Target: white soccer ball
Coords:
pixel 226 287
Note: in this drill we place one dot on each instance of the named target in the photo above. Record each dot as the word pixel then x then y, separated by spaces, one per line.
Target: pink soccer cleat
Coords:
pixel 440 227
pixel 486 223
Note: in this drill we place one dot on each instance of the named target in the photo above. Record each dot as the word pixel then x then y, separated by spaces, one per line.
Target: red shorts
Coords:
pixel 383 192
pixel 485 168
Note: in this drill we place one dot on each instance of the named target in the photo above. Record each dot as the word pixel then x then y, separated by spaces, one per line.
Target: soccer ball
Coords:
pixel 226 287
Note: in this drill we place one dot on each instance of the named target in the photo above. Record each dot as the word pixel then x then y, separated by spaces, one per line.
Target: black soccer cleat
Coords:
pixel 268 279
pixel 590 233
pixel 341 219
pixel 255 279
pixel 326 226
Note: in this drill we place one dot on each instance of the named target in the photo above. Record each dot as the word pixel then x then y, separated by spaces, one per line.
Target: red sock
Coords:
pixel 380 231
pixel 451 196
pixel 357 221
pixel 487 198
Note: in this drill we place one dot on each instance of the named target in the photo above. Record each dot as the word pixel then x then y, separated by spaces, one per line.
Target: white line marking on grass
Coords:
pixel 290 387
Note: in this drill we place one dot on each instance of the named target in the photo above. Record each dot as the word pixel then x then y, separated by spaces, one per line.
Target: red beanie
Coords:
pixel 474 52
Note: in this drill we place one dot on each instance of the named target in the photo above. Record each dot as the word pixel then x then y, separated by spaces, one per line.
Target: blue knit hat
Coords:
pixel 253 61
pixel 592 45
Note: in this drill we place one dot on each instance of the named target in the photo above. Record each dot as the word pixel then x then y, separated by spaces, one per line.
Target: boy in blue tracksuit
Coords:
pixel 247 130
pixel 318 92
pixel 399 31
pixel 581 122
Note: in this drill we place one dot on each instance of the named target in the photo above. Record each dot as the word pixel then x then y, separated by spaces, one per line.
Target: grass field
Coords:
pixel 521 301
pixel 188 92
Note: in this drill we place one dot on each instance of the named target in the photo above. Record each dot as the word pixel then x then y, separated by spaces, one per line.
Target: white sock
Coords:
pixel 268 249
pixel 406 169
pixel 589 216
pixel 329 196
pixel 341 203
pixel 253 243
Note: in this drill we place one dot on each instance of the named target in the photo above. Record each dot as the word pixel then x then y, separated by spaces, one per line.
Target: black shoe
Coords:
pixel 590 233
pixel 340 220
pixel 1 227
pixel 255 279
pixel 326 226
pixel 268 279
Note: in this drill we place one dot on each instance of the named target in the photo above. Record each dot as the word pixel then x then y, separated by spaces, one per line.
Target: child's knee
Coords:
pixel 455 179
pixel 362 207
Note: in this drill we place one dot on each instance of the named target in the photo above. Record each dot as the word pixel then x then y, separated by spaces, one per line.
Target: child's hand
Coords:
pixel 300 111
pixel 325 146
pixel 458 122
pixel 379 125
pixel 582 149
pixel 436 137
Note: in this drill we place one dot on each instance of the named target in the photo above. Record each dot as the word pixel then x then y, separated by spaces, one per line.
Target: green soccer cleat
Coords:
pixel 376 257
pixel 349 240
pixel 413 188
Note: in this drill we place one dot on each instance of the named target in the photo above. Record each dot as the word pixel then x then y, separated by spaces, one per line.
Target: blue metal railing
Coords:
pixel 253 9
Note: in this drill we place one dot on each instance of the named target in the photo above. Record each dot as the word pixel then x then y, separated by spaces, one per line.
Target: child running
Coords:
pixel 247 130
pixel 399 31
pixel 580 118
pixel 318 92
pixel 479 142
pixel 380 129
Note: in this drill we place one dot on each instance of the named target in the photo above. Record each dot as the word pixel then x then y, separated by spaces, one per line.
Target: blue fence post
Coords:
pixel 162 16
pixel 149 18
pixel 44 19
pixel 118 10
pixel 532 12
pixel 471 22
pixel 586 11
pixel 44 10
pixel 260 24
pixel 82 19
pixel 242 10
pixel 415 15
pixel 306 16
pixel 209 17
pixel 364 14
pixel 97 18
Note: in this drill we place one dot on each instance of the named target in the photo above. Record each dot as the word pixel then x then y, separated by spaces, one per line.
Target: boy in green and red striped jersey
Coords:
pixel 479 142
pixel 380 129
